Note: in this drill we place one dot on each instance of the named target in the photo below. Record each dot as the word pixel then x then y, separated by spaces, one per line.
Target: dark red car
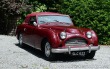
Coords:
pixel 55 33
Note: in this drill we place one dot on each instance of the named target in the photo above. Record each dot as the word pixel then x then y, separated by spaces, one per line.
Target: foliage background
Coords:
pixel 94 14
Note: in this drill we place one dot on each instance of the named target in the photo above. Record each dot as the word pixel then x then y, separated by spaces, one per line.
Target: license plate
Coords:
pixel 78 53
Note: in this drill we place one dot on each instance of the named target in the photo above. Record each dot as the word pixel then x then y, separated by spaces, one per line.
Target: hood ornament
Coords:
pixel 77 34
pixel 73 32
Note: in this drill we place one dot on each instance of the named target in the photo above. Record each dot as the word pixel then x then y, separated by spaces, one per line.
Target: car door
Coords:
pixel 29 31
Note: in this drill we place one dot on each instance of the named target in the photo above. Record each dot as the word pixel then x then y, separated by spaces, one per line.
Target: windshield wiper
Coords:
pixel 42 22
pixel 64 22
pixel 56 20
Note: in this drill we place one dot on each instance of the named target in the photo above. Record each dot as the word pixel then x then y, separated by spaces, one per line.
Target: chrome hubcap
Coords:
pixel 20 39
pixel 47 49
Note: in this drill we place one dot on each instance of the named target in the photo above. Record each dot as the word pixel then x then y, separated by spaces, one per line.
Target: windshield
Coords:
pixel 53 18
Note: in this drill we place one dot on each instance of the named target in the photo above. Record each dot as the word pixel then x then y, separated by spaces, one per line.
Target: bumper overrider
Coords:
pixel 69 49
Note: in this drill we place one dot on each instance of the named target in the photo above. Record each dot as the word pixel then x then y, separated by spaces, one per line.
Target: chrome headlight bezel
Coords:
pixel 89 34
pixel 63 35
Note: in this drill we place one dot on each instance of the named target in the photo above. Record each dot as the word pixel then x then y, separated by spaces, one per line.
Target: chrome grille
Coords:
pixel 76 42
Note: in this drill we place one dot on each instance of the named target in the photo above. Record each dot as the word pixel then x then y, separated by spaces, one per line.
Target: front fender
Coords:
pixel 95 38
pixel 52 37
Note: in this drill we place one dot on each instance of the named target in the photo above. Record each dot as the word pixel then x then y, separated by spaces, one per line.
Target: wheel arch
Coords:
pixel 43 43
pixel 18 33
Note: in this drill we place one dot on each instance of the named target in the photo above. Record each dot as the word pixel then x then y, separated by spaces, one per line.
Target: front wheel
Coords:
pixel 47 51
pixel 90 55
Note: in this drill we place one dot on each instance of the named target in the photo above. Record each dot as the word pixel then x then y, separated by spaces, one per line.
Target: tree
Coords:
pixel 8 8
pixel 12 10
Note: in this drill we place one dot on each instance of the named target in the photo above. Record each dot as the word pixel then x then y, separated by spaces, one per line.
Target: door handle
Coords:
pixel 24 29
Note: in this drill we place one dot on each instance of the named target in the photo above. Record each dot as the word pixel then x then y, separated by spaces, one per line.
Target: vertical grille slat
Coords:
pixel 76 42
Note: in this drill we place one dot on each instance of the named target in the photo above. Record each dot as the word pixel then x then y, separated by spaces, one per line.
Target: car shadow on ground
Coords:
pixel 59 57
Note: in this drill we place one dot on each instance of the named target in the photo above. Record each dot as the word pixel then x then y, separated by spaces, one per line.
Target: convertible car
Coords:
pixel 55 33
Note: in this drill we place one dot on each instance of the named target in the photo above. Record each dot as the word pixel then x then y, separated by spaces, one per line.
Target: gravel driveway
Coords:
pixel 14 57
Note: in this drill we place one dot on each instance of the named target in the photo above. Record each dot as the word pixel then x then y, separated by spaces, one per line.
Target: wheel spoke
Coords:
pixel 47 49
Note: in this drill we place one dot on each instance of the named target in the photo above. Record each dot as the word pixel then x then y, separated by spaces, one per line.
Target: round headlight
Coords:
pixel 89 35
pixel 63 35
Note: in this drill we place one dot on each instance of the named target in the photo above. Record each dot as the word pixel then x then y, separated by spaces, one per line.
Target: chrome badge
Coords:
pixel 77 34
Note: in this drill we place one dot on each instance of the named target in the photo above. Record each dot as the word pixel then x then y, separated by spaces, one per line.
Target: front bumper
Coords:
pixel 69 49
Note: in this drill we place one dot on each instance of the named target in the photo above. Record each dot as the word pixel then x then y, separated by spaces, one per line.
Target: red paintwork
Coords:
pixel 35 34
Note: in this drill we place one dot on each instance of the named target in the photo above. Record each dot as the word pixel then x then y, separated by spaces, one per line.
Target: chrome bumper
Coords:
pixel 69 49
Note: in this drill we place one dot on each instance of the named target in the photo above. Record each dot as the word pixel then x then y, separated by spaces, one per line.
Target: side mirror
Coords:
pixel 34 23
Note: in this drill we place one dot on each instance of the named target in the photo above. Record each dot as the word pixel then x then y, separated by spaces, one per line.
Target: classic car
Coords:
pixel 54 33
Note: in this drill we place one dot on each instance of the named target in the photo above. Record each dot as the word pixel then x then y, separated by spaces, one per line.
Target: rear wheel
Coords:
pixel 47 51
pixel 21 44
pixel 90 55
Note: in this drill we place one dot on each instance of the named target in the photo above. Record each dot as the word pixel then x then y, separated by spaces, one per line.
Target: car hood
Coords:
pixel 68 28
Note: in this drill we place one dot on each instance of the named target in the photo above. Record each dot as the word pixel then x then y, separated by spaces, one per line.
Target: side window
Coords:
pixel 32 19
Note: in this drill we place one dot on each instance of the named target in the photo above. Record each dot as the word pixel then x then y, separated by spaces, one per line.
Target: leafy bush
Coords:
pixel 90 14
